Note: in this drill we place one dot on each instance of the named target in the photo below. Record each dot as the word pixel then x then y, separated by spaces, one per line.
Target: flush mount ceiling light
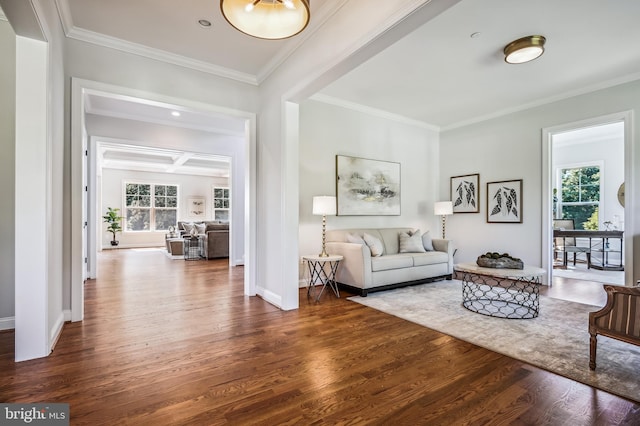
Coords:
pixel 267 19
pixel 524 49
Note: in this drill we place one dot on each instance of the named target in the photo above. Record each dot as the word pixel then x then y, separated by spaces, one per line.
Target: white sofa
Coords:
pixel 365 273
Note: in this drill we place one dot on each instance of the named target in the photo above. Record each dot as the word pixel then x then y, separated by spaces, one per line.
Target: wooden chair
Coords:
pixel 618 319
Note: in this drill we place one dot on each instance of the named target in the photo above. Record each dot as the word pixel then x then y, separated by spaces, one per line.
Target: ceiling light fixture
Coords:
pixel 175 113
pixel 267 19
pixel 204 23
pixel 524 49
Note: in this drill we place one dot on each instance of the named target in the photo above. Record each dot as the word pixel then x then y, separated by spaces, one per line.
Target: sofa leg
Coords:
pixel 592 351
pixel 364 293
pixel 449 277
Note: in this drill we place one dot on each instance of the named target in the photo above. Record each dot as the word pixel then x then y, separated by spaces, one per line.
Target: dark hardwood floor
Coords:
pixel 173 342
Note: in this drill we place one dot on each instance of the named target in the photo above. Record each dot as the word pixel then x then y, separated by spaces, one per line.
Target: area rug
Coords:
pixel 557 340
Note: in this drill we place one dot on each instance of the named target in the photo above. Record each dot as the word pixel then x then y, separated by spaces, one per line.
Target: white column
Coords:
pixel 31 266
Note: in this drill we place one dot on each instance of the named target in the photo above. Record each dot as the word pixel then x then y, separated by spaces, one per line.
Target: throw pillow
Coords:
pixel 426 241
pixel 355 238
pixel 201 228
pixel 411 242
pixel 375 245
pixel 187 226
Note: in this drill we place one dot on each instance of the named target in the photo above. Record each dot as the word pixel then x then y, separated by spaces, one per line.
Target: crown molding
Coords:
pixel 319 19
pixel 159 55
pixel 148 52
pixel 373 111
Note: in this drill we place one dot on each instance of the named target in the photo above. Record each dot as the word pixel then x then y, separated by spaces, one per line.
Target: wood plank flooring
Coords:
pixel 174 342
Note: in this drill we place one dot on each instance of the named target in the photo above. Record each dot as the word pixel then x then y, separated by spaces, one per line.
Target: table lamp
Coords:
pixel 324 205
pixel 443 208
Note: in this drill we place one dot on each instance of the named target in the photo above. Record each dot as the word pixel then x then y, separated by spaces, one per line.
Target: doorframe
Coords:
pixel 547 186
pixel 80 87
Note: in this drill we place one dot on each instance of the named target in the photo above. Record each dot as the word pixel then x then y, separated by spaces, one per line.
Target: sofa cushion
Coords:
pixel 427 243
pixel 430 258
pixel 374 243
pixel 200 228
pixel 394 261
pixel 355 238
pixel 410 242
pixel 187 226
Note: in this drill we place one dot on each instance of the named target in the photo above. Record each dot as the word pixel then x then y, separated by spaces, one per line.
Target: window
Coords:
pixel 579 197
pixel 221 204
pixel 150 207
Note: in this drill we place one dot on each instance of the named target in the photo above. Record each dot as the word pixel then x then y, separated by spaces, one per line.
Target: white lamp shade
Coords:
pixel 272 20
pixel 324 205
pixel 443 208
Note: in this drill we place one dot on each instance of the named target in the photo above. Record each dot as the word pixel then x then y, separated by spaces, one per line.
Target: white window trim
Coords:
pixel 213 201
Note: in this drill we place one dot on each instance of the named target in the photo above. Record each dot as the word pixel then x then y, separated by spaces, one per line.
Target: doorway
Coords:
pixel 244 168
pixel 585 174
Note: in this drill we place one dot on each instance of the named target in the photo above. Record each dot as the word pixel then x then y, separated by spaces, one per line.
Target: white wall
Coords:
pixel 188 186
pixel 336 47
pixel 510 147
pixel 327 130
pixel 7 173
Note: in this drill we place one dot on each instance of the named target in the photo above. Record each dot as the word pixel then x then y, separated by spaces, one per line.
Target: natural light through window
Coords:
pixel 150 207
pixel 579 196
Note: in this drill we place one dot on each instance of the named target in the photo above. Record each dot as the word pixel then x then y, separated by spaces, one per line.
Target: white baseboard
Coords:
pixel 8 323
pixel 67 315
pixel 125 246
pixel 56 330
pixel 269 296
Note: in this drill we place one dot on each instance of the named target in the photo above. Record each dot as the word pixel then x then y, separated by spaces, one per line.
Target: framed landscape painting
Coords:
pixel 504 201
pixel 367 187
pixel 465 193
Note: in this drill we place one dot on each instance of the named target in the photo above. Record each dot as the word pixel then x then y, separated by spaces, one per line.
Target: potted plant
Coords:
pixel 112 219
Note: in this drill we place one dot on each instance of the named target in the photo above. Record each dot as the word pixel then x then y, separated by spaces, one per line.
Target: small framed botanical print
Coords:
pixel 465 193
pixel 504 201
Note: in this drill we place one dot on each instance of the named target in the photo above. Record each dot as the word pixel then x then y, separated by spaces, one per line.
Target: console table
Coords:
pixel 502 293
pixel 609 242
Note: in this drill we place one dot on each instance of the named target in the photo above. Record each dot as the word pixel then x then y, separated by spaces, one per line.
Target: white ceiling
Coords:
pixel 439 74
pixel 169 30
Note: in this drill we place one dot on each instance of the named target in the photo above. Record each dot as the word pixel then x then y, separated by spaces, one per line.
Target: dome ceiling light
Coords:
pixel 524 49
pixel 267 19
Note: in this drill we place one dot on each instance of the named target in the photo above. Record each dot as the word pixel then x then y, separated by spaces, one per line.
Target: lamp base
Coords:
pixel 324 232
